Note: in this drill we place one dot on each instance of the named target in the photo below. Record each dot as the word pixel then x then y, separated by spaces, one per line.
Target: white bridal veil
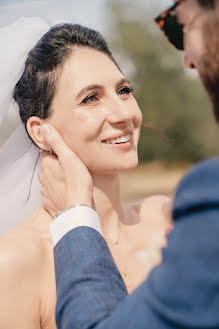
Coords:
pixel 19 157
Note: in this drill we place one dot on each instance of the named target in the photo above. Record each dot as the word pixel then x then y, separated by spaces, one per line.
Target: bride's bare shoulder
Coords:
pixel 158 203
pixel 21 247
pixel 155 207
pixel 20 257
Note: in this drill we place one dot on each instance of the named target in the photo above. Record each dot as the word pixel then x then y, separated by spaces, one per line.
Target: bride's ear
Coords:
pixel 33 128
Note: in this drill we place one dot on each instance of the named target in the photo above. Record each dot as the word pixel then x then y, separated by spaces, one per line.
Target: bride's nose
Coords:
pixel 119 111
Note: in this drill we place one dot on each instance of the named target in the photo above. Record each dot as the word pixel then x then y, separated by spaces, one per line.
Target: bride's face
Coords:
pixel 93 106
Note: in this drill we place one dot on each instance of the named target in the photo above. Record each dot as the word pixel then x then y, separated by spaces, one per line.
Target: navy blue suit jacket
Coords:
pixel 182 292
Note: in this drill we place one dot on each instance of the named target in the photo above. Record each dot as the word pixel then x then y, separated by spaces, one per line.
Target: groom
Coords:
pixel 183 291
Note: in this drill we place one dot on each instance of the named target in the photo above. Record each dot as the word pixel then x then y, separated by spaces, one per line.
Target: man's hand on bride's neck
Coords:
pixel 45 214
pixel 65 180
pixel 40 217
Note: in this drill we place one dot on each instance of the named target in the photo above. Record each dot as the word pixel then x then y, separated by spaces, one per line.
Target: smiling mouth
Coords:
pixel 120 140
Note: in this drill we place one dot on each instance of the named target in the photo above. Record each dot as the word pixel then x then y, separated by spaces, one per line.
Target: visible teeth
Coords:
pixel 122 139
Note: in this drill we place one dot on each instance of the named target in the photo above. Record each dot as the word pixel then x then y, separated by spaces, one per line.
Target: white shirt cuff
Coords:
pixel 73 218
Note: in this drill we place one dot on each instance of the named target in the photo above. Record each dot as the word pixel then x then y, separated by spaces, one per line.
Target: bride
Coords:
pixel 66 76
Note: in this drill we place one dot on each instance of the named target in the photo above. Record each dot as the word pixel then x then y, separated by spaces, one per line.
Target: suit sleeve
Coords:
pixel 182 292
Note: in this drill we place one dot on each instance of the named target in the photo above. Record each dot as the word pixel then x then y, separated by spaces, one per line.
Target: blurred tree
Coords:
pixel 171 99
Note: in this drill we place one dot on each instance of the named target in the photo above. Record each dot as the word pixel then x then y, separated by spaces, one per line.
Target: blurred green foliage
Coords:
pixel 171 99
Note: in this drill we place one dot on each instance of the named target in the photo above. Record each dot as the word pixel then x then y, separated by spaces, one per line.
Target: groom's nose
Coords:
pixel 187 61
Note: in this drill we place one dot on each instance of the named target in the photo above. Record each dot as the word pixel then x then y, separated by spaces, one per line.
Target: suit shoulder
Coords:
pixel 205 169
pixel 199 187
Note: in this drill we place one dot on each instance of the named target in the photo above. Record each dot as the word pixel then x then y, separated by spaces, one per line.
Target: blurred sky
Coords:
pixel 90 13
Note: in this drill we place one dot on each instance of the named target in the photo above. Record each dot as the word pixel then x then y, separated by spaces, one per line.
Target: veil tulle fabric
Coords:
pixel 19 157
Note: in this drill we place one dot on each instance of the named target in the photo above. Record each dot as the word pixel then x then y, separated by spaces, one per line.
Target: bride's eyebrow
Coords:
pixel 122 82
pixel 100 87
pixel 88 88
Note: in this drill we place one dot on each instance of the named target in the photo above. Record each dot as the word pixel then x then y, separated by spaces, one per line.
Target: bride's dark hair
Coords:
pixel 35 90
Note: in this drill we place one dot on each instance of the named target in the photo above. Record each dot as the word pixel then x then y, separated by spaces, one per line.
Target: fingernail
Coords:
pixel 45 130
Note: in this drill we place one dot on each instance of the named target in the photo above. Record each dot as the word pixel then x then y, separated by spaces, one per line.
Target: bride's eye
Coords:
pixel 90 99
pixel 126 90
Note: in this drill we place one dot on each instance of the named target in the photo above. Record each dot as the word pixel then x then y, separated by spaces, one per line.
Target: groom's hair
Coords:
pixel 35 90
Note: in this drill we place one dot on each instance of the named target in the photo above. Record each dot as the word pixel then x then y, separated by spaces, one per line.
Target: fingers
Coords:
pixel 50 168
pixel 56 143
pixel 48 206
pixel 46 202
pixel 47 158
pixel 49 161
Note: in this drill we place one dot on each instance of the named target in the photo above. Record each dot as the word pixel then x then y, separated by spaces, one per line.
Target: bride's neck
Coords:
pixel 106 202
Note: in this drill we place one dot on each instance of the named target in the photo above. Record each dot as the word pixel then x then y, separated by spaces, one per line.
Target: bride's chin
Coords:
pixel 114 171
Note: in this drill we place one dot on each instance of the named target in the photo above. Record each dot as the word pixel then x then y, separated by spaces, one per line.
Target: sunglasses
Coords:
pixel 167 22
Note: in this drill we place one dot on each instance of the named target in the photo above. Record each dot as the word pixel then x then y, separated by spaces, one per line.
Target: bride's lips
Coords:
pixel 118 135
pixel 122 146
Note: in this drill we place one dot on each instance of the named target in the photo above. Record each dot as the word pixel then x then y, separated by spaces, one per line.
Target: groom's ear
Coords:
pixel 33 128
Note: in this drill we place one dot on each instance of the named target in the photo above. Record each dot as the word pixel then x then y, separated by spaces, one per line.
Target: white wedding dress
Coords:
pixel 19 157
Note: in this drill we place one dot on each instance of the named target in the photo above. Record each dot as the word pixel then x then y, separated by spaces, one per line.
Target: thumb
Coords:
pixel 55 141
